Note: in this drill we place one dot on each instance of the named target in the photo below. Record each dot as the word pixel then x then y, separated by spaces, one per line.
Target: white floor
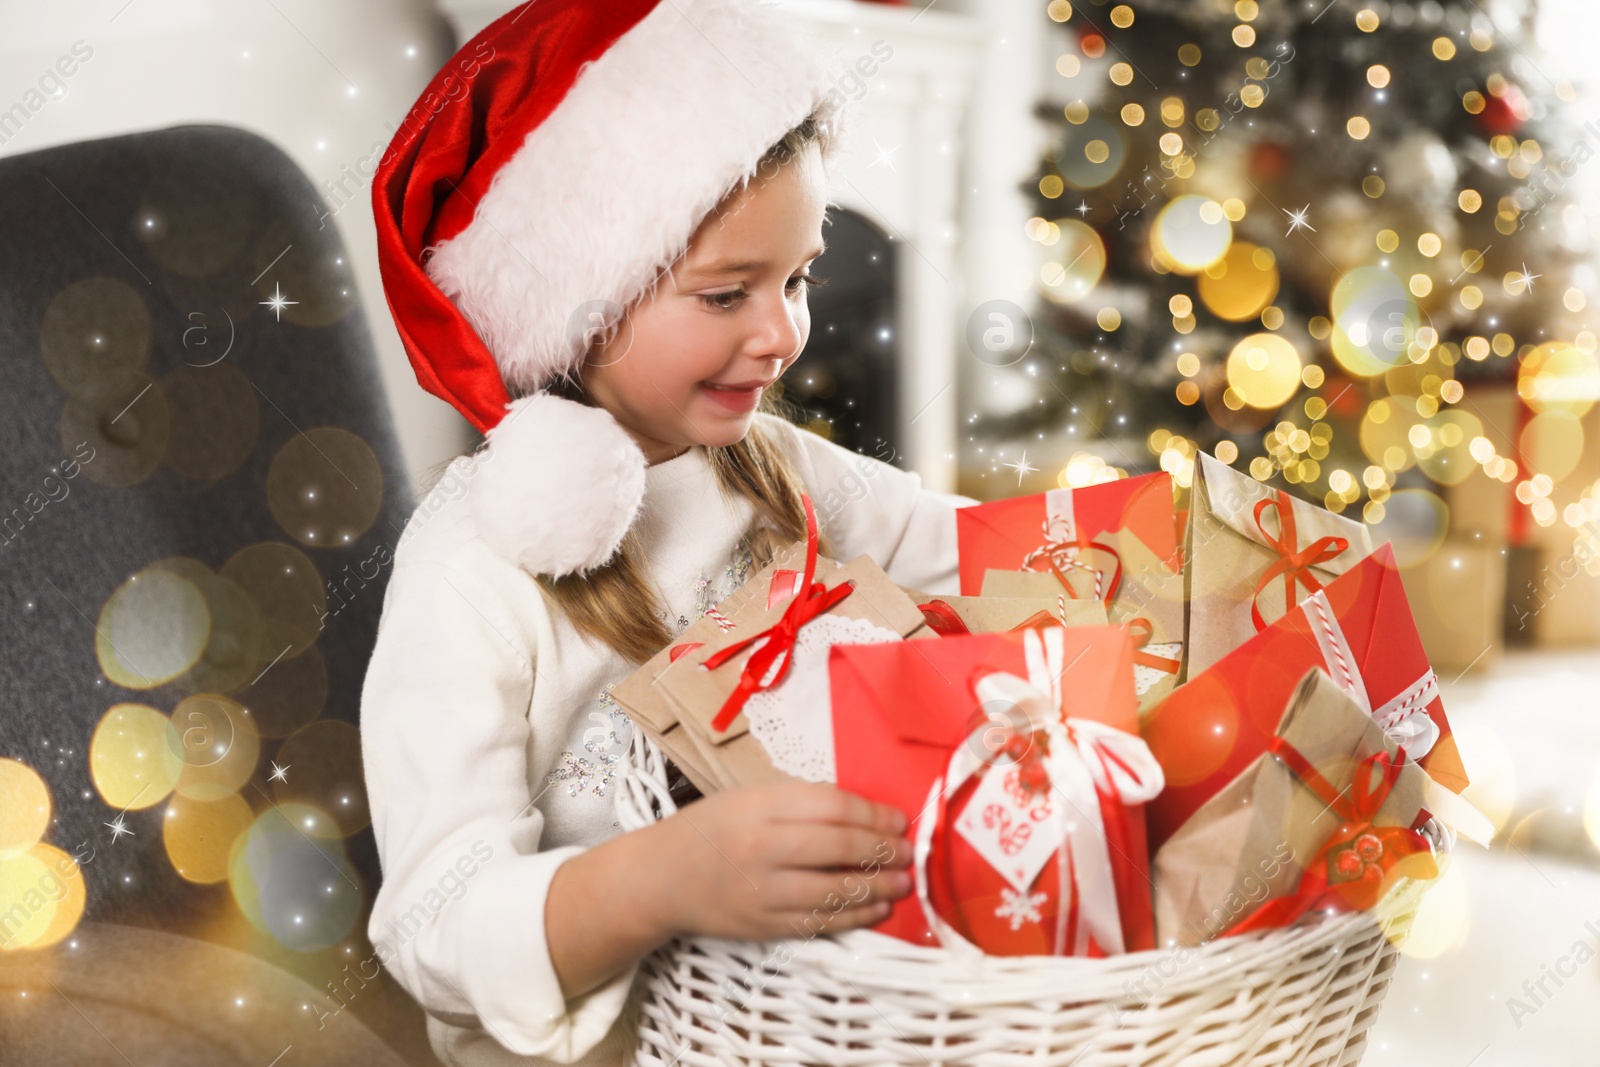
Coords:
pixel 1526 911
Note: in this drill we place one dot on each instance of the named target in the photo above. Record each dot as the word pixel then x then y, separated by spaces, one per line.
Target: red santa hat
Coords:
pixel 545 178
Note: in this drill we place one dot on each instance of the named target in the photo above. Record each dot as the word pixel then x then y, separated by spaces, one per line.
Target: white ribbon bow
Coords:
pixel 1085 759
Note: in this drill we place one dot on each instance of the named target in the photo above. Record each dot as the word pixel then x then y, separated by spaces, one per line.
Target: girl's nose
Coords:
pixel 781 333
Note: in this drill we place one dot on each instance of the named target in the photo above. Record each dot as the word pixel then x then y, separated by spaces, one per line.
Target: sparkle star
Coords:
pixel 1082 208
pixel 1021 467
pixel 278 303
pixel 884 155
pixel 1527 279
pixel 1297 220
pixel 279 774
pixel 118 828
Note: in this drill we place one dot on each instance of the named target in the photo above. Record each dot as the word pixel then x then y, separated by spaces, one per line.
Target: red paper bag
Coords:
pixel 1059 528
pixel 1359 629
pixel 901 712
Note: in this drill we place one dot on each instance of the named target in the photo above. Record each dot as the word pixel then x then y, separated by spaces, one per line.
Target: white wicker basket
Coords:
pixel 1303 996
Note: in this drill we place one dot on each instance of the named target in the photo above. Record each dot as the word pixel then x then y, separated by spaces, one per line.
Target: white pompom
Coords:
pixel 558 485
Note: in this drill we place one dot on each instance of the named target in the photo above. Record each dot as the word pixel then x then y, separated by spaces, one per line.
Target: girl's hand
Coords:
pixel 777 861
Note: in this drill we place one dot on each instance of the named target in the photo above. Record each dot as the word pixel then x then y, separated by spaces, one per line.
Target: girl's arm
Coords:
pixel 459 918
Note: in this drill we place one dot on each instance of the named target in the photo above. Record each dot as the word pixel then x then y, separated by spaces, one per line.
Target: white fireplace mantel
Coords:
pixel 904 176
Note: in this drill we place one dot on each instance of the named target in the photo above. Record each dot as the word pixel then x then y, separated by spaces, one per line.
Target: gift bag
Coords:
pixel 903 713
pixel 1251 553
pixel 1326 818
pixel 1358 629
pixel 753 696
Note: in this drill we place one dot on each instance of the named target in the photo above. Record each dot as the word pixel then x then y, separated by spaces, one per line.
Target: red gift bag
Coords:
pixel 1359 629
pixel 1065 531
pixel 901 714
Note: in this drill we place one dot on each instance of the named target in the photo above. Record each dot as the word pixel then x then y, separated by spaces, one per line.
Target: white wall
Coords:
pixel 326 80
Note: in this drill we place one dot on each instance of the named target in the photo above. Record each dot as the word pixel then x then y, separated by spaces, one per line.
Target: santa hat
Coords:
pixel 547 175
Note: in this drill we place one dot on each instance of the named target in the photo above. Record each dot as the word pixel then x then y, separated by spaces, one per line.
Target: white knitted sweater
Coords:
pixel 491 744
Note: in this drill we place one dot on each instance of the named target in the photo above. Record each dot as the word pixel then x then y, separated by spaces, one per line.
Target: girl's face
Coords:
pixel 687 365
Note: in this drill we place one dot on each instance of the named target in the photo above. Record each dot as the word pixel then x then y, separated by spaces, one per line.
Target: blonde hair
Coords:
pixel 617 604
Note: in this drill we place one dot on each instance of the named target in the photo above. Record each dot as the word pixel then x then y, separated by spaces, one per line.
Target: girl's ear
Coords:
pixel 557 486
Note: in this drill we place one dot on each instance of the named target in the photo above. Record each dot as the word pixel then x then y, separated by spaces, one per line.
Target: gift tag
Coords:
pixel 1016 832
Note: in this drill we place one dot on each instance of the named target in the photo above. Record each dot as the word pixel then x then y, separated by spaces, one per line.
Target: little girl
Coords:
pixel 596 243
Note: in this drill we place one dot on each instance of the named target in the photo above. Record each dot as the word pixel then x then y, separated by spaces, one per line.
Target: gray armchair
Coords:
pixel 199 494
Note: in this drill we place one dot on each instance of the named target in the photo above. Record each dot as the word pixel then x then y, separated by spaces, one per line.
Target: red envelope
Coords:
pixel 1216 724
pixel 899 708
pixel 1002 533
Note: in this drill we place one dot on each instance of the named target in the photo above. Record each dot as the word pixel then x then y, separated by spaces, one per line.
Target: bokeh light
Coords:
pixel 95 339
pixel 287 588
pixel 216 745
pixel 42 896
pixel 1264 370
pixel 291 879
pixel 1375 321
pixel 24 807
pixel 1557 376
pixel 152 628
pixel 1074 259
pixel 1241 284
pixel 324 487
pixel 130 760
pixel 199 835
pixel 1191 233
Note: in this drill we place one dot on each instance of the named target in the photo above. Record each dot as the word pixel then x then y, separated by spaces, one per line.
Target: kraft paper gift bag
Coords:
pixel 1251 554
pixel 1325 819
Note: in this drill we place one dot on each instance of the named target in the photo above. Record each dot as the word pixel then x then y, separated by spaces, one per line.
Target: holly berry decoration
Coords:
pixel 1361 860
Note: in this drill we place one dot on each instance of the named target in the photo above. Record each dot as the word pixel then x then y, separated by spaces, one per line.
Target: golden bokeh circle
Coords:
pixel 130 761
pixel 291 879
pixel 198 835
pixel 1190 233
pixel 325 487
pixel 1093 152
pixel 95 338
pixel 195 218
pixel 288 589
pixel 1558 376
pixel 215 416
pixel 25 807
pixel 42 896
pixel 1264 370
pixel 216 745
pixel 1074 262
pixel 229 658
pixel 152 629
pixel 1241 284
pixel 1446 457
pixel 128 430
pixel 1375 321
pixel 1552 444
pixel 325 772
pixel 301 261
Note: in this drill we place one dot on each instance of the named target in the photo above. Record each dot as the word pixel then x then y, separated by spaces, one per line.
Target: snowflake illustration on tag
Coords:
pixel 1020 907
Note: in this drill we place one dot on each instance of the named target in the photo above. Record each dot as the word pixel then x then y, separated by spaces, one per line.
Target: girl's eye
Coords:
pixel 731 299
pixel 723 301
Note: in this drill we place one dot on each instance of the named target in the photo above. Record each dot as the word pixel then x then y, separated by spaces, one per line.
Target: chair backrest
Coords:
pixel 199 491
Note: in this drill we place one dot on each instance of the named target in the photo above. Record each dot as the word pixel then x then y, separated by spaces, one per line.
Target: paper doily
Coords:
pixel 1146 677
pixel 794 720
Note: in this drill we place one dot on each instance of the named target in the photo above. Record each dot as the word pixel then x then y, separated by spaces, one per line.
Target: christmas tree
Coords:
pixel 1301 236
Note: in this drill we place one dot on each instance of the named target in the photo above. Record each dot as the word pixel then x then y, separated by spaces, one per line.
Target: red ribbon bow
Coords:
pixel 1353 868
pixel 1068 551
pixel 1293 562
pixel 811 599
pixel 1142 629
